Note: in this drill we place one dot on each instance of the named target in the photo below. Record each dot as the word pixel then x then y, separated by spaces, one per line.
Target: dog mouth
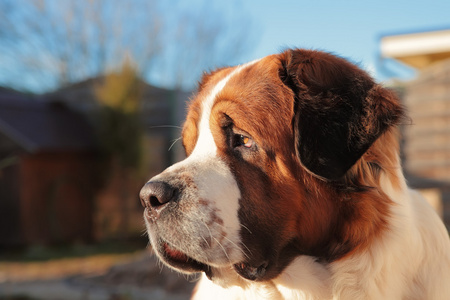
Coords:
pixel 180 260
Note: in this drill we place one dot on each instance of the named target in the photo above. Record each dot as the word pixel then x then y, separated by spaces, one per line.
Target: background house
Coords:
pixel 47 167
pixel 53 187
pixel 162 112
pixel 427 98
pixel 118 212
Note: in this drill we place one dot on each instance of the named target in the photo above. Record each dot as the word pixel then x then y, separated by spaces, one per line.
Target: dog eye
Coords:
pixel 242 140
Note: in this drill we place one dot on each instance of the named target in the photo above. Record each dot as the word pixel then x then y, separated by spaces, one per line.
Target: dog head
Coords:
pixel 280 152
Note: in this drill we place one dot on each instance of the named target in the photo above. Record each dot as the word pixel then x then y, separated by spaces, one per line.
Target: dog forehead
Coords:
pixel 254 96
pixel 258 95
pixel 205 142
pixel 196 130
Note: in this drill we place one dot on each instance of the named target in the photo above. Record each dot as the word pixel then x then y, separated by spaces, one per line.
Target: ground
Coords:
pixel 128 276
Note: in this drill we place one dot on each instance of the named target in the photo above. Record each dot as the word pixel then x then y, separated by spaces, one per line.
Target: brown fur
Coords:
pixel 312 217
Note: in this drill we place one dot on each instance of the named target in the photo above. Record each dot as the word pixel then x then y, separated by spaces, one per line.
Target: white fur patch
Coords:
pixel 409 260
pixel 216 188
pixel 205 142
pixel 214 180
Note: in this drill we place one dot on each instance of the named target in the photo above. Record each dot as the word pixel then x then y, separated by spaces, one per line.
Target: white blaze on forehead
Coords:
pixel 205 142
pixel 216 185
pixel 213 178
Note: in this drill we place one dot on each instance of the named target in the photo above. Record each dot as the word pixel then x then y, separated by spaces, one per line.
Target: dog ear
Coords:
pixel 338 111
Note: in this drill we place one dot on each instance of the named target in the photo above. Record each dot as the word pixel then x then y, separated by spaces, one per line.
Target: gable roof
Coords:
pixel 35 125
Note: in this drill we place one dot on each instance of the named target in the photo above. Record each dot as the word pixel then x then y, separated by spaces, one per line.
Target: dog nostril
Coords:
pixel 154 202
pixel 156 194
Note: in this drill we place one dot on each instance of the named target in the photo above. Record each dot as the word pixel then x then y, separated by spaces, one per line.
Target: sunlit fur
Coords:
pixel 364 236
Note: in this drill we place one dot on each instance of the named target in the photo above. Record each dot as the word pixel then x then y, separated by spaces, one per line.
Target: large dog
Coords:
pixel 292 189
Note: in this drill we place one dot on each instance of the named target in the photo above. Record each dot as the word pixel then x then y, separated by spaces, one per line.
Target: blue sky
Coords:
pixel 350 28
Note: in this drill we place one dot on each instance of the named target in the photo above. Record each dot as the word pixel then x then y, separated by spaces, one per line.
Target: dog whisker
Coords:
pixel 173 143
pixel 210 234
pixel 235 243
pixel 238 248
pixel 224 251
pixel 231 242
pixel 247 228
pixel 165 126
pixel 194 277
pixel 209 246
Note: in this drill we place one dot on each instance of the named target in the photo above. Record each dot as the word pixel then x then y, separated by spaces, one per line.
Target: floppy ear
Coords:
pixel 339 111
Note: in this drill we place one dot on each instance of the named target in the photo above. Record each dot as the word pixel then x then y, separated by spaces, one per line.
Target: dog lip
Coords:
pixel 178 259
pixel 174 254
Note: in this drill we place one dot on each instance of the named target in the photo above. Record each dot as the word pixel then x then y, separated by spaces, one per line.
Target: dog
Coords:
pixel 292 189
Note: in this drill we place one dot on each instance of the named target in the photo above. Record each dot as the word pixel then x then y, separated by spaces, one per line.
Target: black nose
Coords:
pixel 156 194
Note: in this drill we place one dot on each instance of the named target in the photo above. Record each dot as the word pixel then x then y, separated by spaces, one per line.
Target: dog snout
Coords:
pixel 156 195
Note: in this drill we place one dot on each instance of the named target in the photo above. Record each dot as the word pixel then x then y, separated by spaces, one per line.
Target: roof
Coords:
pixel 418 50
pixel 35 125
pixel 159 106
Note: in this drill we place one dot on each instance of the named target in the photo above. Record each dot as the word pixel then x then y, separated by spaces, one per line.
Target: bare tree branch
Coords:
pixel 47 44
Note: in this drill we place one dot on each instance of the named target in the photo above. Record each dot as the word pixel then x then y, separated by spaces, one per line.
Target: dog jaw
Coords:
pixel 251 217
pixel 202 227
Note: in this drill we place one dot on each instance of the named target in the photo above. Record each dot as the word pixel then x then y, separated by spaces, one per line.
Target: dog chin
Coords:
pixel 222 275
pixel 177 259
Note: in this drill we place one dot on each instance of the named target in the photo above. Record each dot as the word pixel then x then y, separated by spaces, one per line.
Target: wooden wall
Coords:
pixel 427 140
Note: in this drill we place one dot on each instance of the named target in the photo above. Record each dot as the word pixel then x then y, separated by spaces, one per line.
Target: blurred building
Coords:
pixel 50 191
pixel 47 155
pixel 117 207
pixel 426 148
pixel 162 110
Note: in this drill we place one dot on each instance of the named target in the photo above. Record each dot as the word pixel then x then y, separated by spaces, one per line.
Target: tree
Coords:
pixel 205 37
pixel 119 125
pixel 120 137
pixel 47 44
